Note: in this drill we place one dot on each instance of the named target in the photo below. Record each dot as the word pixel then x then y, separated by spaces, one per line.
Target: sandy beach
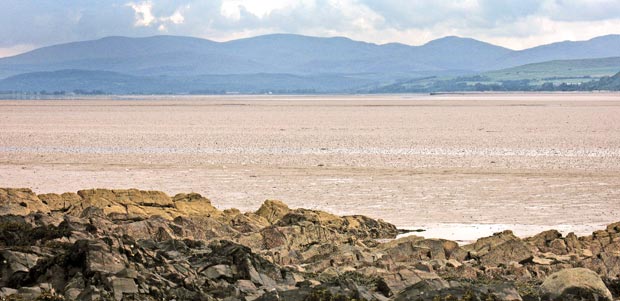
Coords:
pixel 459 166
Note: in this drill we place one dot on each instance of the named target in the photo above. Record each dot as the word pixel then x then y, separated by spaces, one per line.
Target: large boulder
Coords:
pixel 575 284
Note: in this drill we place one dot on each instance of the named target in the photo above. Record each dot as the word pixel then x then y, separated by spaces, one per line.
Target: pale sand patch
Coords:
pixel 460 166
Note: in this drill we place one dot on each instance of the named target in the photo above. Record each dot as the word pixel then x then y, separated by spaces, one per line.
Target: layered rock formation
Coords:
pixel 145 245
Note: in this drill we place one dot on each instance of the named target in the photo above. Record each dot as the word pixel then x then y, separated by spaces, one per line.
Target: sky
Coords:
pixel 516 24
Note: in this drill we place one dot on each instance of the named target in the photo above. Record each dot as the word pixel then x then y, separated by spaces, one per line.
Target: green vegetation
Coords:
pixel 561 75
pixel 483 84
pixel 568 71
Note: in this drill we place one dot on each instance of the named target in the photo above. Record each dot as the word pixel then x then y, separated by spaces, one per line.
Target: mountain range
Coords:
pixel 283 62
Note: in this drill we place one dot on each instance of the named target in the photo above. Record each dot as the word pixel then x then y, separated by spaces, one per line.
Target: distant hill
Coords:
pixel 88 81
pixel 184 64
pixel 278 53
pixel 294 54
pixel 580 70
pixel 600 47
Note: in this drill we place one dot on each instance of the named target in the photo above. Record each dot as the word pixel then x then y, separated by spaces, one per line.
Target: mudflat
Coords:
pixel 459 166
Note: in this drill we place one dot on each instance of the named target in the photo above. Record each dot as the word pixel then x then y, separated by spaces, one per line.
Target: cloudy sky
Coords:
pixel 517 24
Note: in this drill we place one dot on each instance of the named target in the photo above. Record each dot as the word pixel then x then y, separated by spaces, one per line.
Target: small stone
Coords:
pixel 541 261
pixel 122 286
pixel 246 286
pixel 72 293
pixel 218 271
pixel 453 263
pixel 424 266
pixel 128 273
pixel 586 253
pixel 29 293
pixel 7 291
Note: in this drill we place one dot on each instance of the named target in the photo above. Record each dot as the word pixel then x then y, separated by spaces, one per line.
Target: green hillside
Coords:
pixel 568 71
pixel 558 75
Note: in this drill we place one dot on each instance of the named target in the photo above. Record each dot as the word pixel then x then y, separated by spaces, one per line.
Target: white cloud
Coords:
pixel 143 13
pixel 176 18
pixel 511 23
pixel 233 8
pixel 144 16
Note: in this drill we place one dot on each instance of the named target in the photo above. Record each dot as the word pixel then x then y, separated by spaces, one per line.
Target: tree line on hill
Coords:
pixel 477 84
pixel 430 84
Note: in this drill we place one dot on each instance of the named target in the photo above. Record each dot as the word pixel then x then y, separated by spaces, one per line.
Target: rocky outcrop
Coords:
pixel 20 201
pixel 144 245
pixel 500 249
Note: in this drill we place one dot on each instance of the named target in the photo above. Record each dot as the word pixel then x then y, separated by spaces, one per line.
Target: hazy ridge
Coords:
pixel 279 63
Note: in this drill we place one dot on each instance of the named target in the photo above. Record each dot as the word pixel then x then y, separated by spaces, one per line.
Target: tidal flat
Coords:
pixel 458 166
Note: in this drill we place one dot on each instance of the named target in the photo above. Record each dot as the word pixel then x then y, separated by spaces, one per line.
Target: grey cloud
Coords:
pixel 46 22
pixel 582 10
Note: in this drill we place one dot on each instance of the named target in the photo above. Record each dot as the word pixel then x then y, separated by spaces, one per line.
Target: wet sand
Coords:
pixel 460 166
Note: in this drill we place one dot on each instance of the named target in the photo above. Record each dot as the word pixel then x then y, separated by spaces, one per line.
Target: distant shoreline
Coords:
pixel 9 97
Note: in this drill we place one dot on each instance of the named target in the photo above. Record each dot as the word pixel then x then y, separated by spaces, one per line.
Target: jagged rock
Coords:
pixel 573 244
pixel 96 257
pixel 20 201
pixel 246 287
pixel 297 236
pixel 273 210
pixel 413 249
pixel 18 261
pixel 202 228
pixel 424 290
pixel 218 271
pixel 549 241
pixel 454 263
pixel 438 289
pixel 483 245
pixel 510 251
pixel 613 228
pixel 60 202
pixel 29 293
pixel 575 284
pixel 500 249
pixel 7 291
pixel 194 204
pixel 541 261
pixel 122 286
pixel 245 223
pixel 112 244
